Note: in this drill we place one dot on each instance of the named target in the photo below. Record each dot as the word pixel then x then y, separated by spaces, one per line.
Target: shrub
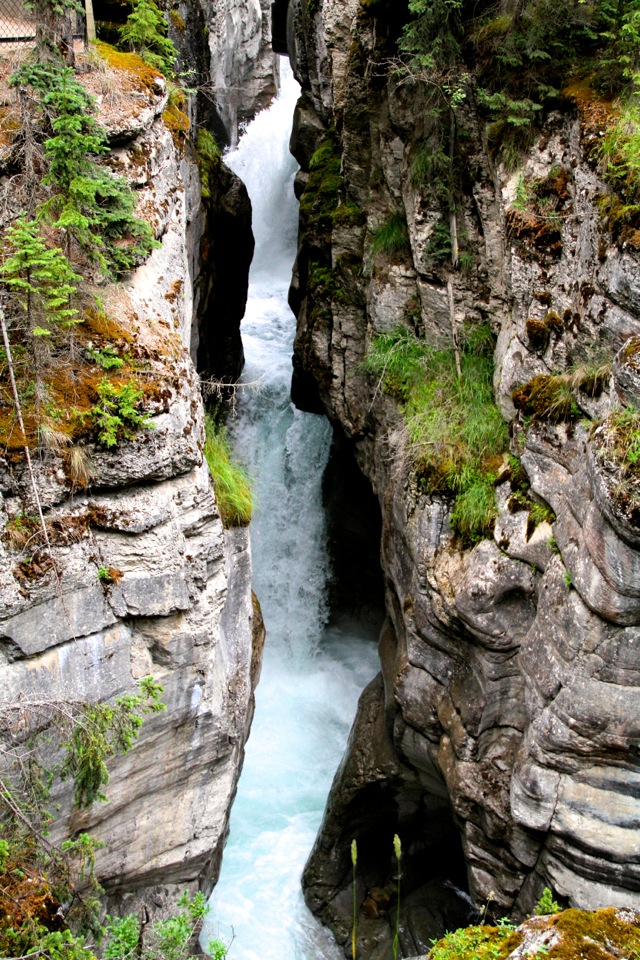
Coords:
pixel 231 484
pixel 546 904
pixel 456 434
pixel 116 415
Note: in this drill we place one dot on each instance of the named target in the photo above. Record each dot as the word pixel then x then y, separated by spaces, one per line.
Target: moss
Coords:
pixel 10 125
pixel 595 936
pixel 543 296
pixel 71 390
pixel 348 215
pixel 209 159
pixel 144 76
pixel 177 22
pixel 546 397
pixel 621 219
pixel 358 60
pixel 478 943
pixel 553 322
pixel 178 123
pixel 537 334
pixel 320 197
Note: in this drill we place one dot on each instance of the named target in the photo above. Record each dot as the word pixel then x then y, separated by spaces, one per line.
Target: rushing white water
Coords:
pixel 312 674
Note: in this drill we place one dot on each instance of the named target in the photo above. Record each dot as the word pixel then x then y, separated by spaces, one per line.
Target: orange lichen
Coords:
pixel 9 125
pixel 178 123
pixel 144 76
pixel 177 22
pixel 596 113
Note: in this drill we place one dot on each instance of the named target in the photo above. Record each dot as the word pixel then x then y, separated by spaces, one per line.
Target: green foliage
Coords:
pixel 105 357
pixel 40 278
pixel 391 237
pixel 621 148
pixel 209 159
pixel 524 195
pixel 566 576
pixel 116 416
pixel 146 32
pixel 432 172
pixel 231 484
pixel 103 730
pixel 540 513
pixel 522 56
pixel 546 904
pixel 48 893
pixel 438 249
pixel 168 938
pixel 617 444
pixel 432 37
pixel 88 203
pixel 456 434
pixel 476 943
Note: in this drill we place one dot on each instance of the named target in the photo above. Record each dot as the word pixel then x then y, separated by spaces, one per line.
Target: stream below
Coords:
pixel 313 669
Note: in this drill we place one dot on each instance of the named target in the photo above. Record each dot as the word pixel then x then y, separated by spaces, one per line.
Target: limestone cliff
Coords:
pixel 142 577
pixel 502 737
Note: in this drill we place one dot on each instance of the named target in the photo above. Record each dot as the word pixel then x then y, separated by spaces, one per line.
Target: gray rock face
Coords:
pixel 178 603
pixel 510 671
pixel 244 69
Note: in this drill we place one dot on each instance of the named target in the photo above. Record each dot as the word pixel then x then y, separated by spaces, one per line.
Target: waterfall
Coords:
pixel 312 673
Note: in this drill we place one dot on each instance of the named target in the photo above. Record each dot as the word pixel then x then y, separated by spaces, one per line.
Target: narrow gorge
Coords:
pixel 402 278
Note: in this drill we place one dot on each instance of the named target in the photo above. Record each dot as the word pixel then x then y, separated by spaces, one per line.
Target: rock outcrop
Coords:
pixel 142 578
pixel 503 735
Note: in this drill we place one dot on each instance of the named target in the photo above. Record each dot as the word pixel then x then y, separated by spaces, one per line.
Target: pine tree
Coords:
pixel 43 284
pixel 146 32
pixel 90 204
pixel 41 278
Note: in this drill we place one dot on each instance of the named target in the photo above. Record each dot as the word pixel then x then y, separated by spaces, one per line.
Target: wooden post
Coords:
pixel 91 24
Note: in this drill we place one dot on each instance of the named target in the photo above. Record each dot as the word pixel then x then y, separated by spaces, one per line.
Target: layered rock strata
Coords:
pixel 142 578
pixel 506 725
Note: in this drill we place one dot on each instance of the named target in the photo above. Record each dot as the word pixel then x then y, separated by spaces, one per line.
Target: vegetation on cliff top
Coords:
pixel 78 373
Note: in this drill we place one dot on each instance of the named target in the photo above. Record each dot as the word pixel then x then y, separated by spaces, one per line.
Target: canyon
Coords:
pixel 500 739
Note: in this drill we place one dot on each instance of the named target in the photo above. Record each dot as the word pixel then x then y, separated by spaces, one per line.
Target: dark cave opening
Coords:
pixel 356 588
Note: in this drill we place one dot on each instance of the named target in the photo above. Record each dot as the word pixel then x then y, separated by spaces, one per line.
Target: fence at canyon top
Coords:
pixel 18 24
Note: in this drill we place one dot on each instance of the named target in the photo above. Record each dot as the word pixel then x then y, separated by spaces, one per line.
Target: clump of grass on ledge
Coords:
pixel 232 487
pixel 391 237
pixel 457 437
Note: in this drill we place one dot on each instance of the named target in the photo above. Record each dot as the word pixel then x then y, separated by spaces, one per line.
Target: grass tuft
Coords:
pixel 231 484
pixel 457 437
pixel 391 237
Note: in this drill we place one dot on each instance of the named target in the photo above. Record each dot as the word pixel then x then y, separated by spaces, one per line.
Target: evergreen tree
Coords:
pixel 41 279
pixel 91 204
pixel 146 32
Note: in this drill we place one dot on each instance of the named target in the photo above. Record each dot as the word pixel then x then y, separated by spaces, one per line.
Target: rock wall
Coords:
pixel 505 725
pixel 177 603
